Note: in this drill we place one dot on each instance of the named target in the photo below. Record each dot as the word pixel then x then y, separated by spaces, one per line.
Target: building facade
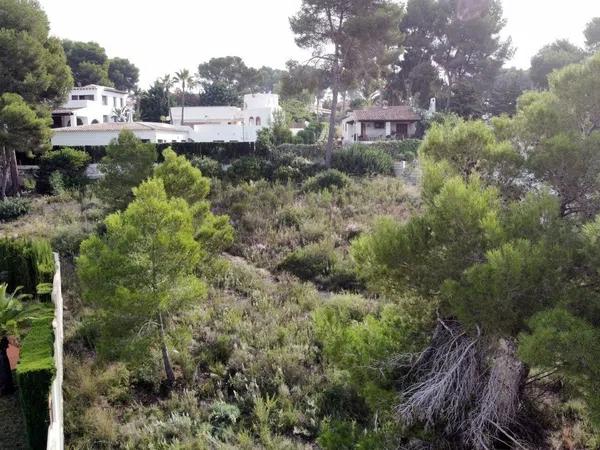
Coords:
pixel 378 123
pixel 229 123
pixel 92 104
pixel 103 133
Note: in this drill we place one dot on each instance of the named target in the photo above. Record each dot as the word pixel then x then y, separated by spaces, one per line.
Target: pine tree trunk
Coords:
pixel 4 172
pixel 165 354
pixel 14 172
pixel 332 117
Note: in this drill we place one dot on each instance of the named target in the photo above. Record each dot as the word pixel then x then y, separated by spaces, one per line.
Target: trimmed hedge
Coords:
pixel 27 263
pixel 35 373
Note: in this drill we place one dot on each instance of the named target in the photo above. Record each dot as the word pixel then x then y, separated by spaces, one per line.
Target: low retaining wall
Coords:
pixel 56 435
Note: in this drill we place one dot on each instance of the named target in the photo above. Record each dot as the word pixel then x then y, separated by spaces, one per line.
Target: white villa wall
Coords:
pixel 89 111
pixel 224 133
pixel 217 114
pixel 258 101
pixel 229 123
pixel 98 138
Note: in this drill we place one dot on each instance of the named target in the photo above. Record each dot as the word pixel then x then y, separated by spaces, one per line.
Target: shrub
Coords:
pixel 209 167
pixel 249 168
pixel 313 152
pixel 310 262
pixel 363 160
pixel 69 163
pixel 35 372
pixel 400 150
pixel 127 163
pixel 12 208
pixel 328 179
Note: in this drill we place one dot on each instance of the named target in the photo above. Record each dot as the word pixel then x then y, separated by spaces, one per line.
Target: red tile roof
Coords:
pixel 386 113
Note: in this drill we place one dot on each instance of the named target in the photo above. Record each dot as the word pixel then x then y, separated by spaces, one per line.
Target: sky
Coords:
pixel 161 37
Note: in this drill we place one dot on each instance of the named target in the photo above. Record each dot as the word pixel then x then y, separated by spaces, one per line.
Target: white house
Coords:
pixel 91 104
pixel 381 122
pixel 103 133
pixel 229 123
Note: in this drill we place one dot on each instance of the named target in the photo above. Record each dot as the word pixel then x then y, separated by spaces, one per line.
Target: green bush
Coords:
pixel 69 163
pixel 313 152
pixel 328 179
pixel 311 262
pixel 363 160
pixel 400 150
pixel 209 167
pixel 12 208
pixel 26 263
pixel 35 372
pixel 249 168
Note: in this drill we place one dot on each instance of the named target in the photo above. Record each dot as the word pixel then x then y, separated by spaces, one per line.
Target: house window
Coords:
pixel 121 101
pixel 258 122
pixel 105 119
pixel 82 97
pixel 105 100
pixel 115 102
pixel 251 120
pixel 380 125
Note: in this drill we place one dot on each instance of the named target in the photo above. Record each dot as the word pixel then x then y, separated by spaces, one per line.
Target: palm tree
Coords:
pixel 167 83
pixel 187 80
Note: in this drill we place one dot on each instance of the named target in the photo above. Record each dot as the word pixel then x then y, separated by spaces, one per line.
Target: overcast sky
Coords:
pixel 162 37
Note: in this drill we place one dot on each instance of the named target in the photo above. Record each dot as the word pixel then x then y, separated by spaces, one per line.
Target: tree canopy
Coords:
pixel 31 63
pixel 506 249
pixel 350 40
pixel 551 57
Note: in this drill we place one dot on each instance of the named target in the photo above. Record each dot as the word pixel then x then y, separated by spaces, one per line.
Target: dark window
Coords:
pixel 104 100
pixel 380 125
pixel 258 122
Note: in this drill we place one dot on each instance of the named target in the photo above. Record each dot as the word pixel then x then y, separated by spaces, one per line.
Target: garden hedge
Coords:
pixel 35 373
pixel 27 263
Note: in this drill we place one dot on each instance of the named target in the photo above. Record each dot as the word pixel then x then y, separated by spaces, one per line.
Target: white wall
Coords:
pixel 257 101
pixel 90 110
pixel 201 113
pixel 81 138
pixel 56 434
pixel 225 133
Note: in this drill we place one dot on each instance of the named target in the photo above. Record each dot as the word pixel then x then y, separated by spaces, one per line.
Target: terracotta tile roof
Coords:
pixel 118 126
pixel 387 113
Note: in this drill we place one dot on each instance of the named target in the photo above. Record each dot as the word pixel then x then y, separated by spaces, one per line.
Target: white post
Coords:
pixel 388 129
pixel 73 120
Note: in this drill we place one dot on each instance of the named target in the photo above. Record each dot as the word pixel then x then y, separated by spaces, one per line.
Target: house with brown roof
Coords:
pixel 379 123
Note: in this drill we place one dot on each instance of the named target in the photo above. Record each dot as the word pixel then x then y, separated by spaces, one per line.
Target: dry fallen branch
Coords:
pixel 470 387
